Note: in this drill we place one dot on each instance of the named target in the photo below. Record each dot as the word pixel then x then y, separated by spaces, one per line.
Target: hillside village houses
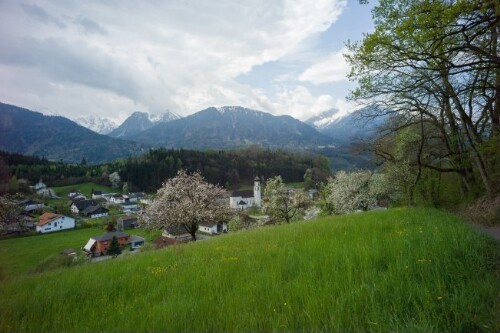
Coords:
pixel 99 245
pixel 246 199
pixel 30 205
pixel 50 222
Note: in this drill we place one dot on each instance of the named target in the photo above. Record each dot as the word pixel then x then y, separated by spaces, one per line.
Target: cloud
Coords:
pixel 40 14
pixel 90 26
pixel 177 55
pixel 300 103
pixel 331 69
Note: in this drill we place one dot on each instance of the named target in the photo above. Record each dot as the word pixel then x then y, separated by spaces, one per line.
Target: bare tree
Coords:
pixel 9 212
pixel 186 201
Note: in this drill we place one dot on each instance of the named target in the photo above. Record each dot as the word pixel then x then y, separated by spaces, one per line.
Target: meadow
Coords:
pixel 19 256
pixel 410 270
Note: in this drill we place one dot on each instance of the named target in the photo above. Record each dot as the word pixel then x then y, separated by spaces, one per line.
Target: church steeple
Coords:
pixel 256 192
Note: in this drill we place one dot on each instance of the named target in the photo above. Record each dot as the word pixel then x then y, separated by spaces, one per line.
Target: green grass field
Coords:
pixel 409 270
pixel 18 256
pixel 85 188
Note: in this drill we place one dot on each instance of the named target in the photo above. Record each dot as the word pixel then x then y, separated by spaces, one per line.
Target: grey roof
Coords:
pixel 128 218
pixel 82 204
pixel 94 210
pixel 176 230
pixel 135 238
pixel 109 235
pixel 243 194
pixel 29 202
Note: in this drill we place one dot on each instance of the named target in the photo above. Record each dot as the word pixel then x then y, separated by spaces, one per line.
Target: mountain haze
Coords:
pixel 233 127
pixel 345 129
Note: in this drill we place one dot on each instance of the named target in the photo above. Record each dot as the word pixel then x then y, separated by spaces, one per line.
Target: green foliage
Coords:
pixel 114 248
pixel 405 270
pixel 433 65
pixel 283 204
pixel 230 168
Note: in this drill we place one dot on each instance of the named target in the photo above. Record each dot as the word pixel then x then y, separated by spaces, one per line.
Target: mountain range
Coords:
pixel 141 121
pixel 232 127
pixel 345 129
pixel 58 138
pixel 97 124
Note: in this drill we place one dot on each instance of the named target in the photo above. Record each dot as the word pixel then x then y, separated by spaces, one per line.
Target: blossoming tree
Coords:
pixel 186 201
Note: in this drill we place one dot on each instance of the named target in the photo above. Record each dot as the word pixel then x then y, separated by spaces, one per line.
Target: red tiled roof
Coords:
pixel 48 217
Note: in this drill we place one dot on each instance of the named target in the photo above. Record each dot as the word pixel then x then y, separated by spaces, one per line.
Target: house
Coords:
pixel 128 207
pixel 117 199
pixel 75 195
pixel 136 242
pixel 313 194
pixel 31 205
pixel 127 222
pixel 50 222
pixel 79 205
pixel 246 199
pixel 98 245
pixel 95 211
pixel 40 187
pixel 144 201
pixel 163 241
pixel 212 228
pixel 177 233
pixel 97 194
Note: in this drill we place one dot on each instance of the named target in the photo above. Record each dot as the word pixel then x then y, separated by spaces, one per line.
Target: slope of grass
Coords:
pixel 18 256
pixel 410 270
pixel 85 188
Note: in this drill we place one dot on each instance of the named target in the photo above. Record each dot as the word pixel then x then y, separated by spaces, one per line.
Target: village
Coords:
pixel 118 215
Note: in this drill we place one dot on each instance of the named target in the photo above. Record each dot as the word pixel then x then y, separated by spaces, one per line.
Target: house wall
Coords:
pixel 74 210
pixel 93 216
pixel 103 246
pixel 33 207
pixel 233 202
pixel 62 223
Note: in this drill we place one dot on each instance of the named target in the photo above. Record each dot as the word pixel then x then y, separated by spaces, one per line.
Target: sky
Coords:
pixel 112 58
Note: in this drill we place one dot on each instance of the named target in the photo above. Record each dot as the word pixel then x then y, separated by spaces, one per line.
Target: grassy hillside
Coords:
pixel 408 270
pixel 85 188
pixel 19 256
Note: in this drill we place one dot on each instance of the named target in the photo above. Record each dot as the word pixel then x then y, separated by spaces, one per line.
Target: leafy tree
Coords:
pixel 185 201
pixel 435 66
pixel 110 227
pixel 283 204
pixel 114 247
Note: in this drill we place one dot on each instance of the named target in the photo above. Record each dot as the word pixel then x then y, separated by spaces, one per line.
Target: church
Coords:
pixel 246 199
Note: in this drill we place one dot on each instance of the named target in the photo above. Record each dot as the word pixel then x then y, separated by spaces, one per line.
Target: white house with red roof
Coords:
pixel 50 222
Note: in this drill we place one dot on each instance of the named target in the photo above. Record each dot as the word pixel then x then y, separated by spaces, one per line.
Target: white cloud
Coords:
pixel 332 69
pixel 111 58
pixel 300 103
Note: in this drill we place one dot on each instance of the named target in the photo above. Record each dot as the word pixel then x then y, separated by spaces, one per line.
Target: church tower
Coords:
pixel 256 192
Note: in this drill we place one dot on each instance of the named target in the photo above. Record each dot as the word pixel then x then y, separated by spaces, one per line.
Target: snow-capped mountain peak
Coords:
pixel 163 117
pixel 97 124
